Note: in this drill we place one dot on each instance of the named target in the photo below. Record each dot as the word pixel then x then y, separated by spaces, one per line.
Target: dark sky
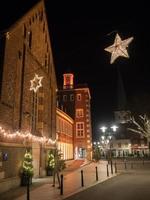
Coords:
pixel 80 32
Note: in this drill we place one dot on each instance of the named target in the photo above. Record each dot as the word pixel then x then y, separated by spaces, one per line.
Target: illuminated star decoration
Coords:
pixel 36 83
pixel 119 48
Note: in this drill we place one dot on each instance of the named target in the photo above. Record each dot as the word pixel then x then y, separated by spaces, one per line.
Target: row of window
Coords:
pixel 65 97
pixel 63 126
pixel 66 149
pixel 71 97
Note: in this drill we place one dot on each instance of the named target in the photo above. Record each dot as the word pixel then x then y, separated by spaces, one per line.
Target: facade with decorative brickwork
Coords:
pixel 75 101
pixel 26 53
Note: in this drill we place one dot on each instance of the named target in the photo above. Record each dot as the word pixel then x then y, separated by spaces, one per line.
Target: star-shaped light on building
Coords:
pixel 119 48
pixel 36 83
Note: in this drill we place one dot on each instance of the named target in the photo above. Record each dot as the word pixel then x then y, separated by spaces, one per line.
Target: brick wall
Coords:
pixel 27 52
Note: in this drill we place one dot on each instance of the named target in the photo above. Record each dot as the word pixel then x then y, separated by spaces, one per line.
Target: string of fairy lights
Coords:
pixel 25 137
pixel 117 49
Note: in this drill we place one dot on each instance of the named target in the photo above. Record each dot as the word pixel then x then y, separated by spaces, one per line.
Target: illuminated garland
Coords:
pixel 26 136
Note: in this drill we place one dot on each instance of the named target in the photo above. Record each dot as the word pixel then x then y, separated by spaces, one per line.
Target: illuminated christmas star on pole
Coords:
pixel 119 48
pixel 36 83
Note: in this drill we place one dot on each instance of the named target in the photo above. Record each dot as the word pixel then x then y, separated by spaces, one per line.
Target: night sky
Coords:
pixel 79 34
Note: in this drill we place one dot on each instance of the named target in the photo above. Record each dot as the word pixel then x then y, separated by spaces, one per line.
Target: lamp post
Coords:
pixel 96 151
pixel 106 139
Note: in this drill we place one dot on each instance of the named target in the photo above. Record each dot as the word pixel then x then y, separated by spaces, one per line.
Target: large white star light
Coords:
pixel 36 83
pixel 118 48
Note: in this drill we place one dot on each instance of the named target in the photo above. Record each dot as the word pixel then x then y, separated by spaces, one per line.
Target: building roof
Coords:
pixel 64 115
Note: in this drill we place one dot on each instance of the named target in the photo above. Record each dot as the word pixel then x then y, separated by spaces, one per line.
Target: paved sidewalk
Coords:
pixel 72 183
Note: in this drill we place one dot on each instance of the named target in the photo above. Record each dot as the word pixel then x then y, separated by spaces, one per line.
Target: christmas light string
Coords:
pixel 26 136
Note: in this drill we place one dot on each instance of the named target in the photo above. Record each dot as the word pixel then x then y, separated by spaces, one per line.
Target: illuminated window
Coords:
pixel 64 97
pixel 78 97
pixel 80 129
pixel 79 113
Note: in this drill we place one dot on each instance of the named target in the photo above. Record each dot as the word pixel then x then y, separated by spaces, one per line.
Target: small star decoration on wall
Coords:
pixel 36 83
pixel 119 48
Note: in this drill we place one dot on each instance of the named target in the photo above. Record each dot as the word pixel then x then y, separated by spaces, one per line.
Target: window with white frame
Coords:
pixel 71 97
pixel 79 97
pixel 64 97
pixel 80 129
pixel 79 113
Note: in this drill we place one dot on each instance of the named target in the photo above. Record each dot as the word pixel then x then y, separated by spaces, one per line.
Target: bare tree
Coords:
pixel 142 126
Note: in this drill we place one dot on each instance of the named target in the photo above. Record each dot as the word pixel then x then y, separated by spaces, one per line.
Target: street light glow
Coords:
pixel 103 137
pixel 103 128
pixel 114 128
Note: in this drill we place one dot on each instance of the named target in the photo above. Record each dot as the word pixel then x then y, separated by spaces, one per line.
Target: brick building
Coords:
pixel 26 54
pixel 76 103
pixel 64 132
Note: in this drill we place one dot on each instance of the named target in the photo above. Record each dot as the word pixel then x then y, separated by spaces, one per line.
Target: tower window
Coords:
pixel 80 129
pixel 64 97
pixel 79 97
pixel 79 113
pixel 71 97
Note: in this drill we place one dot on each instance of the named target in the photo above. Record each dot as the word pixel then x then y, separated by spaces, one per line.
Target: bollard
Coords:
pixel 82 180
pixel 28 187
pixel 107 171
pixel 115 167
pixel 111 164
pixel 96 174
pixel 61 184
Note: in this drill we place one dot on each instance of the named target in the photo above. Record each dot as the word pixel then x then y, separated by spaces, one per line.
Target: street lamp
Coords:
pixel 106 139
pixel 96 151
